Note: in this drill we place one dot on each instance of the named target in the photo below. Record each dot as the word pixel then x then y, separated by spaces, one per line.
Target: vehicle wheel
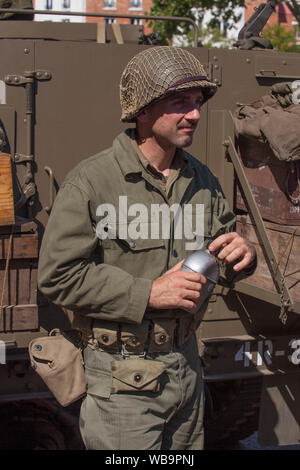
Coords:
pixel 38 425
pixel 232 413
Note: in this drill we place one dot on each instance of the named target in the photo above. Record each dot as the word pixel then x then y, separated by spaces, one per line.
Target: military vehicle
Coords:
pixel 59 91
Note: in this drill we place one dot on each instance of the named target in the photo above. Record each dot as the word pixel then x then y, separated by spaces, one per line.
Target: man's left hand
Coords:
pixel 232 247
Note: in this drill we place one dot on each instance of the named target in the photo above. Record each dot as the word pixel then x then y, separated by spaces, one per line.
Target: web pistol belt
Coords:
pixel 151 336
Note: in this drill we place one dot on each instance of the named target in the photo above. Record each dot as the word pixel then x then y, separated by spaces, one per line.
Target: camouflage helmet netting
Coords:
pixel 150 74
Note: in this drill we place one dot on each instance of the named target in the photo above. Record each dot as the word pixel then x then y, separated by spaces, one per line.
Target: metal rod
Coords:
pixel 107 15
pixel 51 187
pixel 29 136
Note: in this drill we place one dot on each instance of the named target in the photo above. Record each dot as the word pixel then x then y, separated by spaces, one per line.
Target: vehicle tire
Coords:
pixel 232 413
pixel 38 425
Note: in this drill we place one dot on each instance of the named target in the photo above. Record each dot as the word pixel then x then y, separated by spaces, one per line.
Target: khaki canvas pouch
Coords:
pixel 136 375
pixel 162 335
pixel 60 364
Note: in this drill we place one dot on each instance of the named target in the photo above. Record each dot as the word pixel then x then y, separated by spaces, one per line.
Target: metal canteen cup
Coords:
pixel 205 263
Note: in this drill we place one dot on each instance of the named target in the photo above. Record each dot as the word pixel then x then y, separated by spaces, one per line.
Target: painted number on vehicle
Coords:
pixel 263 351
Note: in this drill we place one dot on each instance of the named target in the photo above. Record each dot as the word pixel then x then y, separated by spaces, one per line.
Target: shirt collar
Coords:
pixel 132 161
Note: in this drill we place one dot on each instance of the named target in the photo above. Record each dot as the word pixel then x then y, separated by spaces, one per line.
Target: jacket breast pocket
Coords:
pixel 129 237
pixel 136 255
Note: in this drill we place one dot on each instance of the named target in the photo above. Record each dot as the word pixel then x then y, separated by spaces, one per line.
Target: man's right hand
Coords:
pixel 176 289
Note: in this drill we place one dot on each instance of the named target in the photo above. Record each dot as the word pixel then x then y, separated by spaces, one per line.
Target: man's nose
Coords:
pixel 193 113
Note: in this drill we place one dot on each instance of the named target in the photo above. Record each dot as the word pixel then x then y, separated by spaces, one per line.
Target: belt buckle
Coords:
pixel 125 354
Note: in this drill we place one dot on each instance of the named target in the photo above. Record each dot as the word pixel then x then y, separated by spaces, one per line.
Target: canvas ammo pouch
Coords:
pixel 58 361
pixel 136 375
pixel 133 374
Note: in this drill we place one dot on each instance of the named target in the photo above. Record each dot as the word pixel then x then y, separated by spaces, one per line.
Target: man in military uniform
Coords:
pixel 134 303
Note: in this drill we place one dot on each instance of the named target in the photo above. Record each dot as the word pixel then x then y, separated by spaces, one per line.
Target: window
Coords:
pixel 109 20
pixel 48 5
pixel 109 3
pixel 135 21
pixel 135 4
pixel 66 3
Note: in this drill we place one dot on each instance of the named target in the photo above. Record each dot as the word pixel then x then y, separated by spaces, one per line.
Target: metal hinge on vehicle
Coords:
pixel 28 77
pixel 27 158
pixel 214 71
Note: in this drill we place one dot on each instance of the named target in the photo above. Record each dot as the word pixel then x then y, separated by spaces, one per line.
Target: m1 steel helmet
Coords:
pixel 154 73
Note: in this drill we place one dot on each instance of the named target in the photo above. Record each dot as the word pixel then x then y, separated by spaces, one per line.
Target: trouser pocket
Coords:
pixel 136 375
pixel 98 383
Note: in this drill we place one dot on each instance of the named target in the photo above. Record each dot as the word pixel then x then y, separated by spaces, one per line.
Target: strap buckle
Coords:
pixel 125 354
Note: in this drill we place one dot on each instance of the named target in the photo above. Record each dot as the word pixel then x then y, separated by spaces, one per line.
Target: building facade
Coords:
pixel 60 5
pixel 122 7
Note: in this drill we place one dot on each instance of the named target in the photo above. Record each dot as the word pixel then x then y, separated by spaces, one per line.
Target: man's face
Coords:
pixel 173 120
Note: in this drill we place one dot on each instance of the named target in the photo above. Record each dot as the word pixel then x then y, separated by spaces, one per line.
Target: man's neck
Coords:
pixel 160 157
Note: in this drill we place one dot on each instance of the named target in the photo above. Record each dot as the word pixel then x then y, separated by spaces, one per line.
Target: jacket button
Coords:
pixel 137 377
pixel 104 338
pixel 132 244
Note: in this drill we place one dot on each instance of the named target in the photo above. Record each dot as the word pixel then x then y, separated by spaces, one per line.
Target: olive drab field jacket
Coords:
pixel 92 259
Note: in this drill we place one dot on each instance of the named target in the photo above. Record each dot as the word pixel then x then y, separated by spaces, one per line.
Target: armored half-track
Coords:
pixel 59 95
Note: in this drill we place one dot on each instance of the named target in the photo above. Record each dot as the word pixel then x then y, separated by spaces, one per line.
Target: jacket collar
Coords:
pixel 128 159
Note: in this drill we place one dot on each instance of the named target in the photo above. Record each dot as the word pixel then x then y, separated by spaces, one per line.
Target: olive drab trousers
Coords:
pixel 168 417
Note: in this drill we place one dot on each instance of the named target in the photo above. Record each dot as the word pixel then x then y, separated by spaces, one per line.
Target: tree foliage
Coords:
pixel 220 10
pixel 282 39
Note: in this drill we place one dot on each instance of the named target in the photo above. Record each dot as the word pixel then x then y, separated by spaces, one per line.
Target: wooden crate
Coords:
pixel 286 245
pixel 7 213
pixel 19 294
